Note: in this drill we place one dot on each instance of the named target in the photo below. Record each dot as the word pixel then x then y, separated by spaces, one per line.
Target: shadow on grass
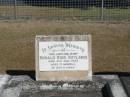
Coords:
pixel 120 74
pixel 30 73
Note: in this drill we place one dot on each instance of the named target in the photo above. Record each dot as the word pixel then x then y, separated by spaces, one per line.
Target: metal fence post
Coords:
pixel 102 10
pixel 15 9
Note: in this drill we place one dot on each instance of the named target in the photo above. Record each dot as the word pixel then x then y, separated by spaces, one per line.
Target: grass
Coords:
pixel 110 43
pixel 55 12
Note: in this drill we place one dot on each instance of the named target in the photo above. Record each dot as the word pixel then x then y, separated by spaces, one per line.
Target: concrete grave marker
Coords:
pixel 63 57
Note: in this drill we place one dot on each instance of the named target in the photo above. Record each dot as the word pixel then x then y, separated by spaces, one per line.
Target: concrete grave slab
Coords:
pixel 99 86
pixel 126 82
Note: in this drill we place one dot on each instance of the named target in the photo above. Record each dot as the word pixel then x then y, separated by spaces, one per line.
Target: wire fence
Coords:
pixel 65 9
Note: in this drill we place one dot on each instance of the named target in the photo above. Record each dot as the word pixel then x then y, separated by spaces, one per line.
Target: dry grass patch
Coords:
pixel 110 43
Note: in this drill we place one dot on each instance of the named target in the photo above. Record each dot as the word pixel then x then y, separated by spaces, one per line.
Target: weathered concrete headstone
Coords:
pixel 63 57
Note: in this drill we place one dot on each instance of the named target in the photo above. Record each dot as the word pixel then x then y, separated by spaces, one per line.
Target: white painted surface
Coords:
pixel 3 81
pixel 63 56
pixel 117 89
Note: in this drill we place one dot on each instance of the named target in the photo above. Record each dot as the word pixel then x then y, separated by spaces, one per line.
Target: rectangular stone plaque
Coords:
pixel 63 57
